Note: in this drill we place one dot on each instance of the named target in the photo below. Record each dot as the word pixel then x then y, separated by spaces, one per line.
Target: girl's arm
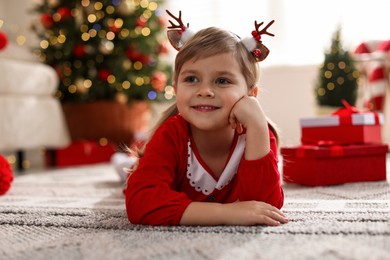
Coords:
pixel 150 195
pixel 237 213
pixel 258 175
pixel 248 114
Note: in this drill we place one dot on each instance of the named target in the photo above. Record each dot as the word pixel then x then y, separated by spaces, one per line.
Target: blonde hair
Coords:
pixel 206 43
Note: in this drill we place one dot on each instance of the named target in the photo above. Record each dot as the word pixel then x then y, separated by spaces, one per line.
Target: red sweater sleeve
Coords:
pixel 151 198
pixel 260 179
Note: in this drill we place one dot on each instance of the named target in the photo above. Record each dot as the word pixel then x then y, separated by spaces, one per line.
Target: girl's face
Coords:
pixel 207 89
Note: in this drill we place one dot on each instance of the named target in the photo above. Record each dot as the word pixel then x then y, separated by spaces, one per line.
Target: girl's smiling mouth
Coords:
pixel 204 108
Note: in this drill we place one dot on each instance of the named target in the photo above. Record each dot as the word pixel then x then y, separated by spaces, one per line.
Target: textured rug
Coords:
pixel 79 213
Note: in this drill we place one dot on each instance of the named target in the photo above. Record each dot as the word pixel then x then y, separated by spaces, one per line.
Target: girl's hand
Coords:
pixel 253 213
pixel 246 113
pixel 243 213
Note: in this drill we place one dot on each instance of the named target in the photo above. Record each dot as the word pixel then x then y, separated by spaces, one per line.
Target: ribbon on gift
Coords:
pixel 345 113
pixel 334 149
pixel 326 143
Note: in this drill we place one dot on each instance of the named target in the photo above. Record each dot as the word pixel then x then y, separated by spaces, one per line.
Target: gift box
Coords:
pixel 345 126
pixel 330 165
pixel 79 153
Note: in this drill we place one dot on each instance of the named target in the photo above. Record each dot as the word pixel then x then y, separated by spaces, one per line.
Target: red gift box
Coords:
pixel 345 126
pixel 79 153
pixel 330 165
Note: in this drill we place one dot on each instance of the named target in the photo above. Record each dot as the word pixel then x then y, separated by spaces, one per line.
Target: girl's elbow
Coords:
pixel 278 199
pixel 132 215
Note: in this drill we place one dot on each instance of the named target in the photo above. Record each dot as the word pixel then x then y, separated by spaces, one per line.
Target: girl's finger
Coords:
pixel 239 128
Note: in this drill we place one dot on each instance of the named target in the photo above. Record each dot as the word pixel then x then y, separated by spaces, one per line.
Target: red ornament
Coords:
pixel 47 20
pixel 159 81
pixel 103 74
pixel 6 176
pixel 3 40
pixel 256 52
pixel 162 48
pixel 141 22
pixel 135 55
pixel 145 59
pixel 79 51
pixel 114 29
pixel 132 54
pixel 64 12
pixel 59 71
pixel 256 35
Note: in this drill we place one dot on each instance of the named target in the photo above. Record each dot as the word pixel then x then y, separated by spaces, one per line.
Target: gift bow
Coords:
pixel 345 113
pixel 347 110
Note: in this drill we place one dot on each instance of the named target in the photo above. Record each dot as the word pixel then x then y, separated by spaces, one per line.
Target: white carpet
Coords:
pixel 79 213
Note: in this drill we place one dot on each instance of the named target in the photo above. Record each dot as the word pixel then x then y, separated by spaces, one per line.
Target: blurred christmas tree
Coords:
pixel 105 49
pixel 338 76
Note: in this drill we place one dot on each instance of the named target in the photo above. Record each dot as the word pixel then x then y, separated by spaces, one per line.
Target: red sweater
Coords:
pixel 171 175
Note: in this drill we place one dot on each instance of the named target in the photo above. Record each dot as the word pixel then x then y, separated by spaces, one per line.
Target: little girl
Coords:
pixel 213 158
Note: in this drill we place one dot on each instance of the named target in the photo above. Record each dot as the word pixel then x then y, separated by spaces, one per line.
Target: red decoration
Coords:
pixel 375 69
pixel 135 55
pixel 256 35
pixel 257 52
pixel 3 40
pixel 162 48
pixel 103 74
pixel 159 81
pixel 64 12
pixel 141 22
pixel 59 71
pixel 384 46
pixel 114 29
pixel 6 176
pixel 79 51
pixel 79 153
pixel 47 20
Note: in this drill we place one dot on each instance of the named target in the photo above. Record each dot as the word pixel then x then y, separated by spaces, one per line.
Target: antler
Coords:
pixel 178 19
pixel 257 34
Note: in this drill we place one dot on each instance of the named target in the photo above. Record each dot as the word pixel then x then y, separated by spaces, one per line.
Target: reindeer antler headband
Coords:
pixel 180 34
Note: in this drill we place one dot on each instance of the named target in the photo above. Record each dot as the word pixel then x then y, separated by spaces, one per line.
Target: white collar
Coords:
pixel 202 181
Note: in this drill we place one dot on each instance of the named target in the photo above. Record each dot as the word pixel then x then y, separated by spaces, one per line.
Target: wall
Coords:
pixel 287 95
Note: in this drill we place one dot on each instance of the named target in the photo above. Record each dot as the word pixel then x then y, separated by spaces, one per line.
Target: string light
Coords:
pixel 111 79
pixel 137 65
pixel 169 92
pixel 152 95
pixel 328 74
pixel 139 81
pixel 321 92
pixel 145 31
pixel 329 86
pixel 126 84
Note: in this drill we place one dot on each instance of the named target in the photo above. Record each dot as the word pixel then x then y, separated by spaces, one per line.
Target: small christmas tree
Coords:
pixel 104 49
pixel 338 76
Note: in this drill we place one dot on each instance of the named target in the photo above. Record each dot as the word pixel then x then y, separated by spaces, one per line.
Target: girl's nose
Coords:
pixel 205 91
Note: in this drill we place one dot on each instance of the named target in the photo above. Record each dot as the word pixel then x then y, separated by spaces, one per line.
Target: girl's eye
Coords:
pixel 222 81
pixel 190 79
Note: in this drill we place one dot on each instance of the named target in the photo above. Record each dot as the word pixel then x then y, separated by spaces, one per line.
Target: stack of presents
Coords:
pixel 340 148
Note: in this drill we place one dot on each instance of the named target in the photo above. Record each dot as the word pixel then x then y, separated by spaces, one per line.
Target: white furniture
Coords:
pixel 30 116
